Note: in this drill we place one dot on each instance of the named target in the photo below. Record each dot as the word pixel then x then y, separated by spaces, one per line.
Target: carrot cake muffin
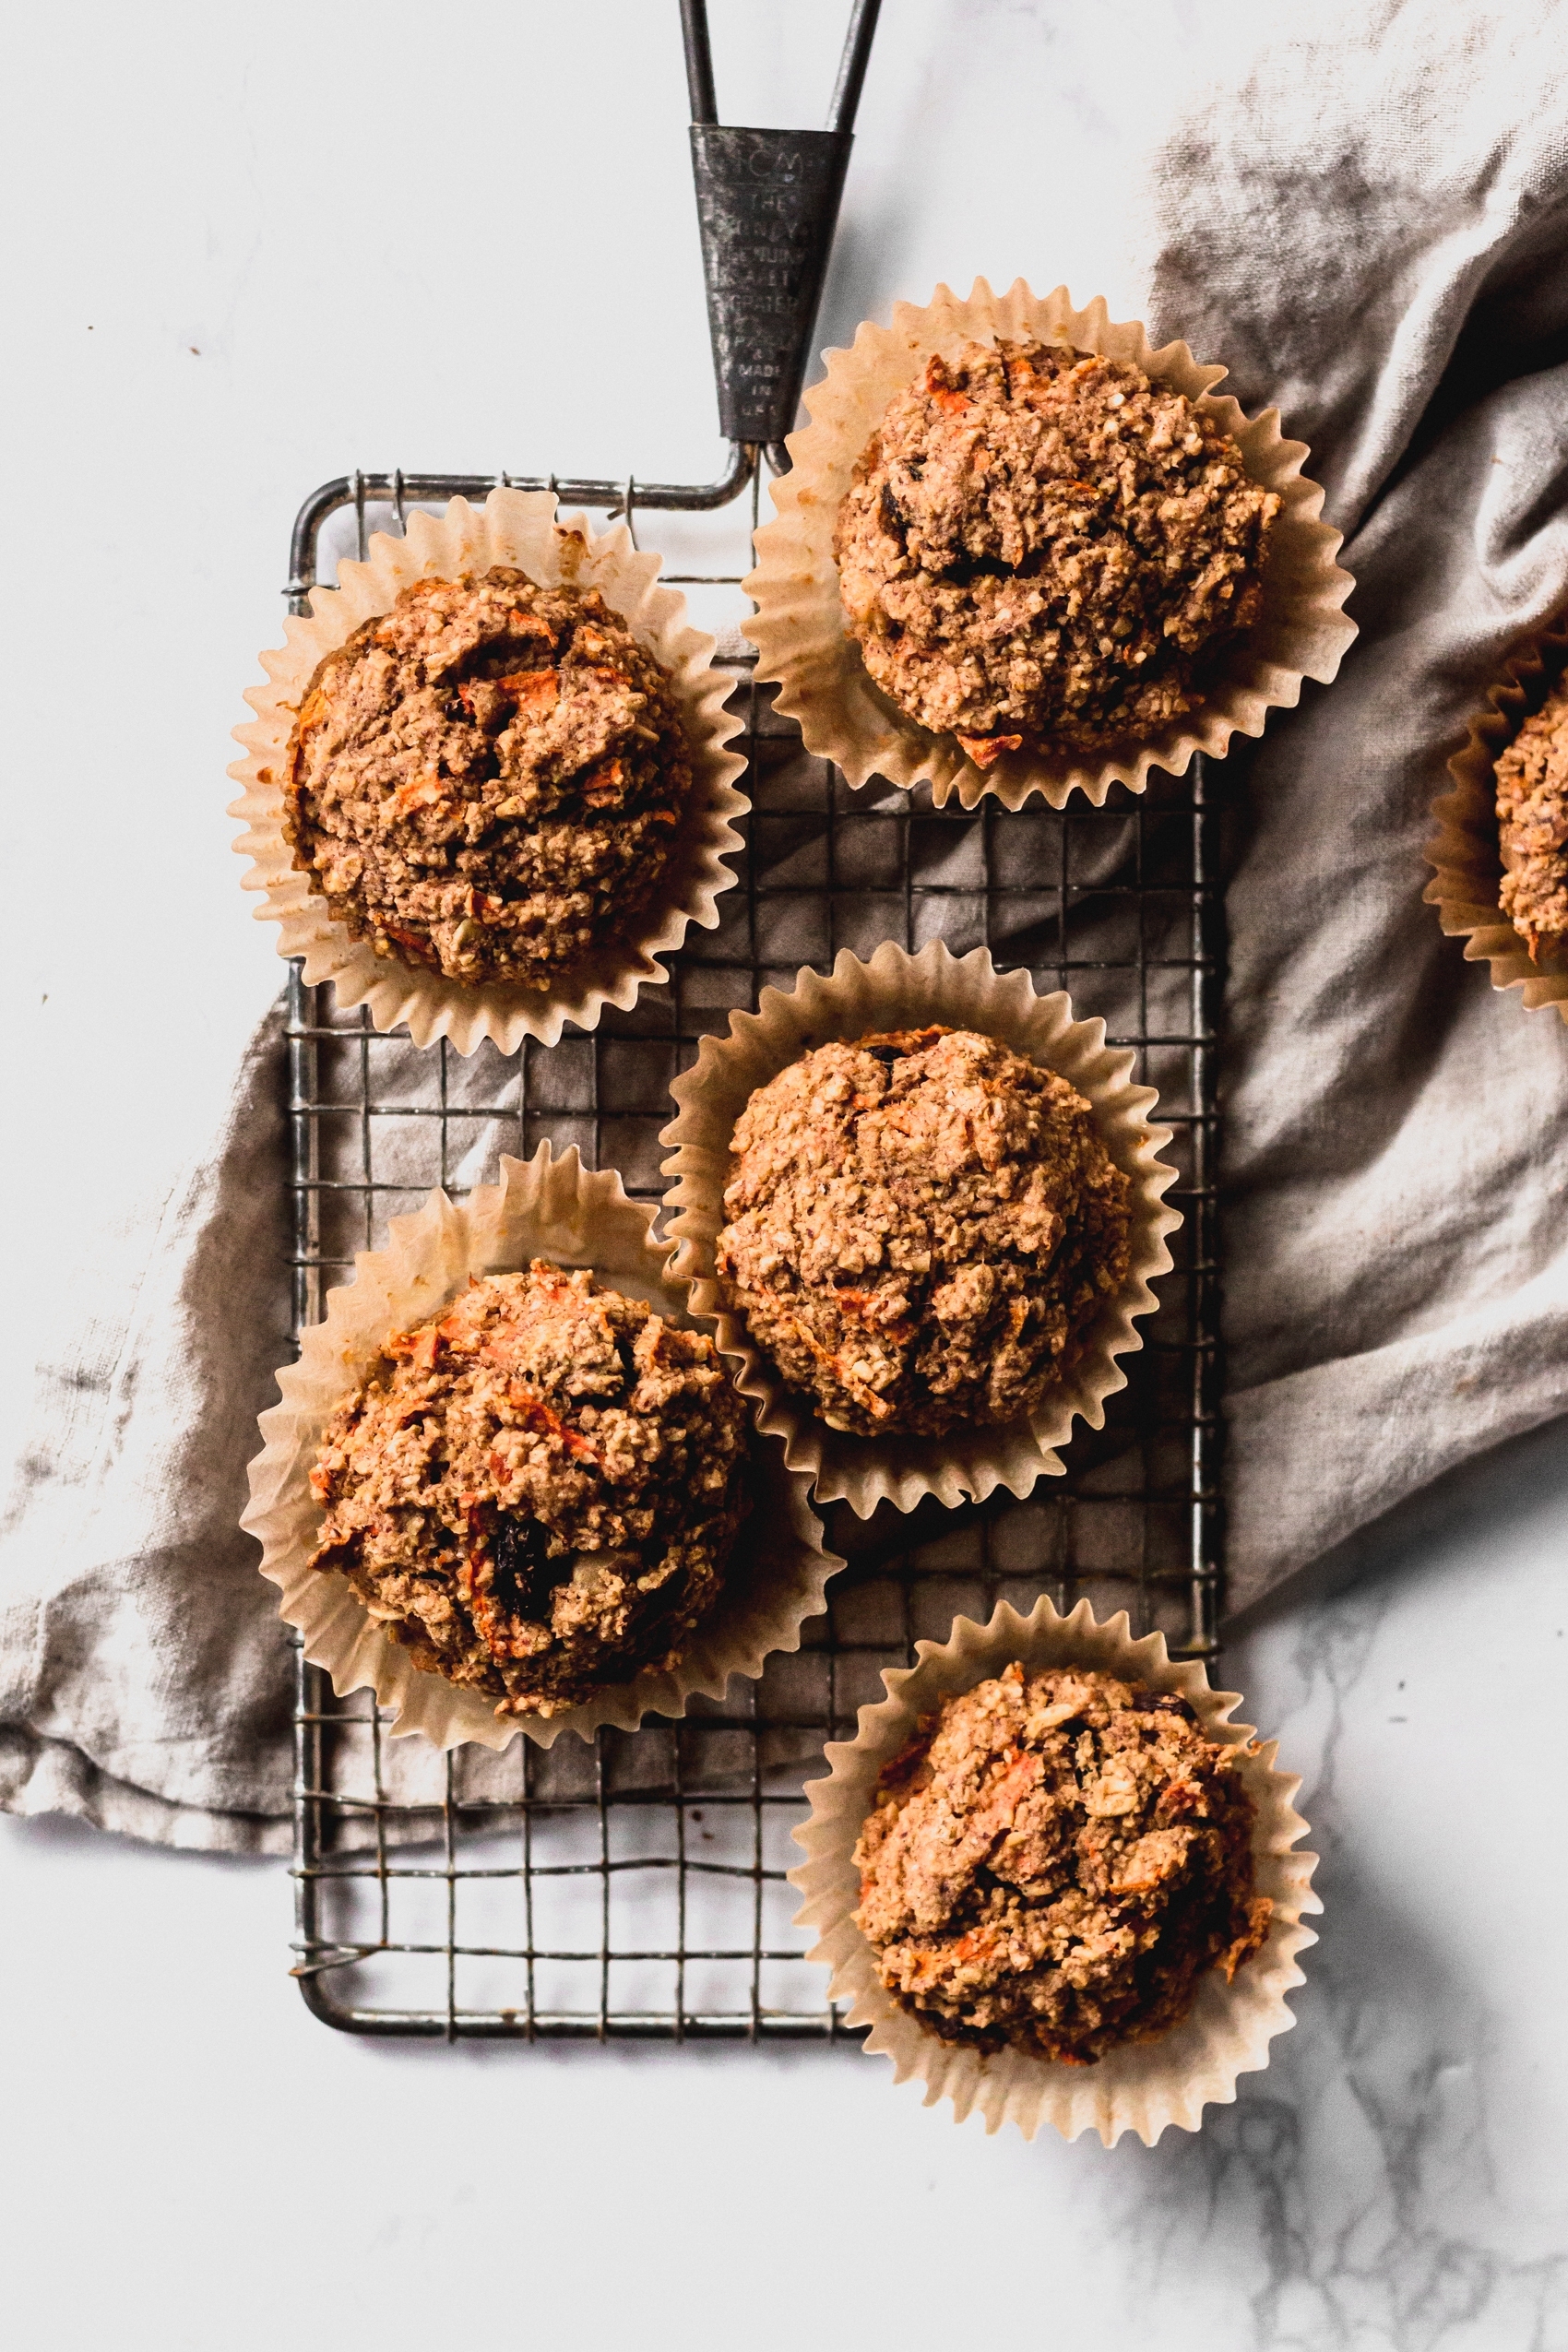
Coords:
pixel 1055 1862
pixel 537 1492
pixel 922 1228
pixel 1040 550
pixel 487 780
pixel 1532 810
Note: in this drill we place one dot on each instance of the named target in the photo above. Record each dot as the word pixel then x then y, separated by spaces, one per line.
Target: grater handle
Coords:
pixel 768 205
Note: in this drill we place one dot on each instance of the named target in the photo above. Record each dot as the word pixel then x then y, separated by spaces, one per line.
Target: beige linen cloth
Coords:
pixel 1373 231
pixel 1370 223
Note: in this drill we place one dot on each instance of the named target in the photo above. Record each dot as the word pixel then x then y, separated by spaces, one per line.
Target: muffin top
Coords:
pixel 537 1490
pixel 1040 549
pixel 1054 1863
pixel 923 1227
pixel 487 780
pixel 1532 808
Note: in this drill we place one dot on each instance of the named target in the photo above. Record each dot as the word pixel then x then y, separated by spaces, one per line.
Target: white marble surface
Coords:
pixel 222 299
pixel 189 2159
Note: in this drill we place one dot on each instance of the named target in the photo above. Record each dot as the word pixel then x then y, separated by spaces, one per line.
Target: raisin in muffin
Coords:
pixel 1040 550
pixel 537 1492
pixel 922 1228
pixel 487 780
pixel 1532 811
pixel 1054 1864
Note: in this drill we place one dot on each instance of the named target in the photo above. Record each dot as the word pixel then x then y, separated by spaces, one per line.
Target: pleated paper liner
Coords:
pixel 1467 850
pixel 1145 2086
pixel 548 1208
pixel 896 990
pixel 518 528
pixel 800 629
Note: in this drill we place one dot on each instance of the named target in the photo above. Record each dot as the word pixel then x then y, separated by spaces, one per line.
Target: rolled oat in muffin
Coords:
pixel 537 1492
pixel 922 1228
pixel 1054 1864
pixel 488 779
pixel 1532 809
pixel 1040 549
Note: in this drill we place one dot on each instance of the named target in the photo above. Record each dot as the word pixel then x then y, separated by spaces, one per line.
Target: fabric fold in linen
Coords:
pixel 1372 227
pixel 144 1677
pixel 1368 223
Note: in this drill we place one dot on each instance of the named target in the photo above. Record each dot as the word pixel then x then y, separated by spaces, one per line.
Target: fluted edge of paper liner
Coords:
pixel 897 990
pixel 543 1207
pixel 1465 852
pixel 1145 2086
pixel 518 528
pixel 799 628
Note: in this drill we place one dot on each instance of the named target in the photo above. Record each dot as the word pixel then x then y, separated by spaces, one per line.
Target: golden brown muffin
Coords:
pixel 488 779
pixel 537 1492
pixel 922 1228
pixel 1041 550
pixel 1532 810
pixel 1055 1862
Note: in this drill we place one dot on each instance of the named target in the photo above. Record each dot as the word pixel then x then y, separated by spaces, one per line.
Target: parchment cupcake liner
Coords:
pixel 516 527
pixel 897 990
pixel 1145 2087
pixel 799 628
pixel 1465 852
pixel 543 1207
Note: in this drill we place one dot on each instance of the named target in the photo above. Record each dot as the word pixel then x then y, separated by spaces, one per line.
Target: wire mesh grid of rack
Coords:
pixel 634 1888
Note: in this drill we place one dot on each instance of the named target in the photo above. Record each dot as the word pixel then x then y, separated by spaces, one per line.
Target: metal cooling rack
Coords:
pixel 636 1888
